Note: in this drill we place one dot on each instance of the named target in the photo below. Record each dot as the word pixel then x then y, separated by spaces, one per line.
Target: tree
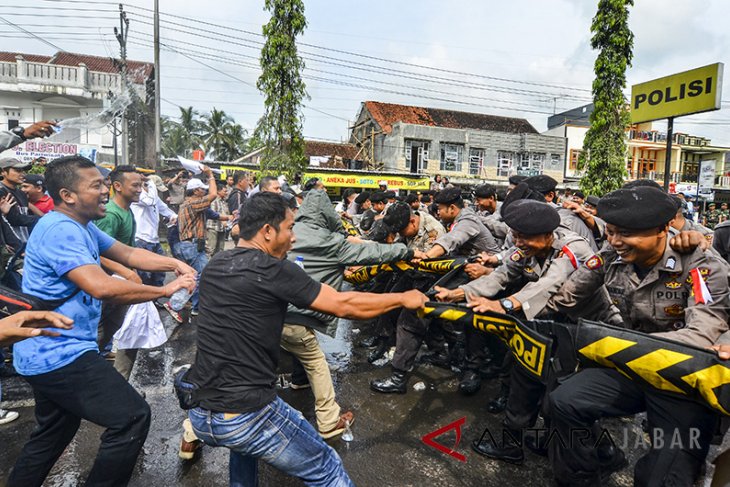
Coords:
pixel 604 154
pixel 214 132
pixel 234 142
pixel 280 128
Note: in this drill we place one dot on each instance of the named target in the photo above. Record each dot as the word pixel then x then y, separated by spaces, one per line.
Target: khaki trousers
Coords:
pixel 301 342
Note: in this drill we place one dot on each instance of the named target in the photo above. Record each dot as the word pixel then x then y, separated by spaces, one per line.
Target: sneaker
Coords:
pixel 339 427
pixel 194 312
pixel 188 449
pixel 7 416
pixel 175 315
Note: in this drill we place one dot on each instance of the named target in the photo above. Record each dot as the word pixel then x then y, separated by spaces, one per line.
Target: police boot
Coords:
pixel 537 443
pixel 438 358
pixel 611 459
pixel 470 383
pixel 381 346
pixel 499 403
pixel 509 451
pixel 398 382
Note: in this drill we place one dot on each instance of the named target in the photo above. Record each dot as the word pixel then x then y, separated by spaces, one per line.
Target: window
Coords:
pixel 504 163
pixel 416 155
pixel 476 161
pixel 12 124
pixel 574 158
pixel 451 157
pixel 531 164
pixel 554 161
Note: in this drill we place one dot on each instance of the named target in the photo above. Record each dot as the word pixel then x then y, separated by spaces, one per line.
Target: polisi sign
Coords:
pixel 694 91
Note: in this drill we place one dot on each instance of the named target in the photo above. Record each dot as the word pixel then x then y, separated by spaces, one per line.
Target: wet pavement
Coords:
pixel 387 449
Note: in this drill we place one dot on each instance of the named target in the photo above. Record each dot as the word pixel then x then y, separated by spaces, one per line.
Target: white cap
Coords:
pixel 383 183
pixel 196 183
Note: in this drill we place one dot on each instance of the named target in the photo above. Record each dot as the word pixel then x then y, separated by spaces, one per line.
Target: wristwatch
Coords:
pixel 19 131
pixel 507 305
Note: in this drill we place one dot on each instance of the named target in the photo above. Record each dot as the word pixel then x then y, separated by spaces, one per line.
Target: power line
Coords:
pixel 31 34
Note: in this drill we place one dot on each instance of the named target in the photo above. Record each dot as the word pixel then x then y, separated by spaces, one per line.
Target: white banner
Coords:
pixel 706 178
pixel 33 149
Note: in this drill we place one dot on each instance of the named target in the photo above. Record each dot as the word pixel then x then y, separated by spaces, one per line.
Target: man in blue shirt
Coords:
pixel 70 380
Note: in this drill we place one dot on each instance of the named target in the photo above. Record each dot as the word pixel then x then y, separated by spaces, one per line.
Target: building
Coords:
pixel 67 85
pixel 465 147
pixel 647 149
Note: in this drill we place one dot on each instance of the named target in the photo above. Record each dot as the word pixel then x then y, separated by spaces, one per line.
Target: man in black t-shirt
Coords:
pixel 238 348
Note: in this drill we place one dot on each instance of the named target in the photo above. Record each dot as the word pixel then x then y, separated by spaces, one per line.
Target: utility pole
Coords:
pixel 158 130
pixel 121 35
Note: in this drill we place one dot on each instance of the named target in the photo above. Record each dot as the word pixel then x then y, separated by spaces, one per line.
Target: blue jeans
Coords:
pixel 151 278
pixel 188 250
pixel 277 434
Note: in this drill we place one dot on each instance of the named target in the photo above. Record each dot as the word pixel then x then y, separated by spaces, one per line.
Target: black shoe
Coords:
pixel 612 460
pixel 398 382
pixel 370 341
pixel 499 403
pixel 537 443
pixel 508 452
pixel 380 348
pixel 470 383
pixel 490 371
pixel 437 359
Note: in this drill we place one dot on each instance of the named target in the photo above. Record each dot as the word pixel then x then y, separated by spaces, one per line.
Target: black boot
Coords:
pixel 509 451
pixel 537 442
pixel 499 403
pixel 470 383
pixel 370 341
pixel 439 358
pixel 398 382
pixel 381 346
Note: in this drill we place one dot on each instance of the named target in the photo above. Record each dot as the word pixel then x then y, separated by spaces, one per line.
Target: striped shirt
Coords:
pixel 191 218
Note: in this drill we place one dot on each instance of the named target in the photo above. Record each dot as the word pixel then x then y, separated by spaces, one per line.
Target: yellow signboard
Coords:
pixel 694 91
pixel 354 180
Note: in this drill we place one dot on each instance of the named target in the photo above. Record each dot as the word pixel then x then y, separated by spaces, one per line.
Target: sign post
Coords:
pixel 695 91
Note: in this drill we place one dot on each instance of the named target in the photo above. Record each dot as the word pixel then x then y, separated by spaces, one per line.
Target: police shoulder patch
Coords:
pixel 517 256
pixel 595 262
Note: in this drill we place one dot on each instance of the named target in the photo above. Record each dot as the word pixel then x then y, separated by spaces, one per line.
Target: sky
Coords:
pixel 521 58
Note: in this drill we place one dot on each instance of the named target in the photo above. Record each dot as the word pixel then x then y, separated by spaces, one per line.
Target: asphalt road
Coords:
pixel 387 449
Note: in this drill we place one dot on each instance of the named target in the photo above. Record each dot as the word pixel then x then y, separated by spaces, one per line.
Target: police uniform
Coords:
pixel 691 226
pixel 493 222
pixel 668 300
pixel 429 230
pixel 468 236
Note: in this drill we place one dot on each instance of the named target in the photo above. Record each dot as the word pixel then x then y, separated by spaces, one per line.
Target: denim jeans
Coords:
pixel 151 278
pixel 88 388
pixel 277 434
pixel 188 250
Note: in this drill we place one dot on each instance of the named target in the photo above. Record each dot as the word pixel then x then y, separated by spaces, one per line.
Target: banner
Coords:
pixel 433 266
pixel 34 149
pixel 706 177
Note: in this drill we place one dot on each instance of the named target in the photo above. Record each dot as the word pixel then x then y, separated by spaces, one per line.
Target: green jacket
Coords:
pixel 326 253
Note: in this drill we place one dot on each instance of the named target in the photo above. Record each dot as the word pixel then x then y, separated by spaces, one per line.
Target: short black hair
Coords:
pixel 261 209
pixel 62 173
pixel 265 182
pixel 117 175
pixel 238 175
pixel 411 198
pixel 425 198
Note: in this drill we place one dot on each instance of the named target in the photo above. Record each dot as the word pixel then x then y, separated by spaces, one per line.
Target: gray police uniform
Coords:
pixel 468 236
pixel 429 230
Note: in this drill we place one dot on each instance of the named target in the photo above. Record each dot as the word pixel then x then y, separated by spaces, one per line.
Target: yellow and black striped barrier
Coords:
pixel 664 365
pixel 433 266
pixel 350 228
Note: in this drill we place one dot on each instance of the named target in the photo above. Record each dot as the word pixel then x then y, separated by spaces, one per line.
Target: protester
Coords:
pixel 177 187
pixel 216 229
pixel 70 380
pixel 18 135
pixel 34 187
pixel 20 216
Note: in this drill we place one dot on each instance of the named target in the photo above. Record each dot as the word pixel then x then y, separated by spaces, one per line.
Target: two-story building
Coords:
pixel 63 86
pixel 465 147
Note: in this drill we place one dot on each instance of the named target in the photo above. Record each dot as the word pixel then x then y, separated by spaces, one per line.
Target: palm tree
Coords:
pixel 234 143
pixel 214 132
pixel 174 139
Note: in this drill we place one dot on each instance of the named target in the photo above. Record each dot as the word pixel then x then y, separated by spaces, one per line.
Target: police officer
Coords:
pixel 543 257
pixel 485 199
pixel 377 201
pixel 639 282
pixel 682 224
pixel 419 231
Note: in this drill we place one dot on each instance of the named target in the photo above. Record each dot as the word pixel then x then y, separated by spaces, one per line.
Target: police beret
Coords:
pixel 411 198
pixel 397 217
pixel 531 217
pixel 378 232
pixel 515 180
pixel 542 184
pixel 638 208
pixel 362 197
pixel 520 192
pixel 579 194
pixel 593 200
pixel 636 183
pixel 389 195
pixel 485 191
pixel 448 196
pixel 377 197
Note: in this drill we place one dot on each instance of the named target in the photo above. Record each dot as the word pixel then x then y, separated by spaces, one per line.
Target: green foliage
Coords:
pixel 279 130
pixel 604 154
pixel 216 133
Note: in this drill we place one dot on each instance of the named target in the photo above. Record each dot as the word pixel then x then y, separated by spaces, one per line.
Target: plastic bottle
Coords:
pixel 347 434
pixel 299 261
pixel 179 298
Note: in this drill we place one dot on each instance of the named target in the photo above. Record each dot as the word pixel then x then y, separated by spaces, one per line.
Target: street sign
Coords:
pixel 694 91
pixel 706 177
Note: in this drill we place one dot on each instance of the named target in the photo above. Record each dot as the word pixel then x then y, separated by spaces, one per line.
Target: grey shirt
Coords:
pixel 468 236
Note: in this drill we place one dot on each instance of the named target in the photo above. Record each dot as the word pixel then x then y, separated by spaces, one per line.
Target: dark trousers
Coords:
pixel 681 430
pixel 524 400
pixel 410 332
pixel 112 319
pixel 88 388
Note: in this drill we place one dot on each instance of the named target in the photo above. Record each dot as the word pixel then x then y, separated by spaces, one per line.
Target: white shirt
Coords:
pixel 147 213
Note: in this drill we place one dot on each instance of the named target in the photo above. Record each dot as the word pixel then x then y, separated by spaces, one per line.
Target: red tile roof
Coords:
pixel 316 148
pixel 140 71
pixel 387 114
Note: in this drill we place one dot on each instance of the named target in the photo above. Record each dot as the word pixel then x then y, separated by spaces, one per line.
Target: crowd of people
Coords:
pixel 265 264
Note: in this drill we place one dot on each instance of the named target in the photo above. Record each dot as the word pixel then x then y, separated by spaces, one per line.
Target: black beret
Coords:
pixel 637 183
pixel 397 217
pixel 485 191
pixel 411 198
pixel 389 195
pixel 638 208
pixel 516 179
pixel 531 217
pixel 521 192
pixel 378 232
pixel 448 196
pixel 362 197
pixel 593 200
pixel 377 197
pixel 579 194
pixel 542 184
